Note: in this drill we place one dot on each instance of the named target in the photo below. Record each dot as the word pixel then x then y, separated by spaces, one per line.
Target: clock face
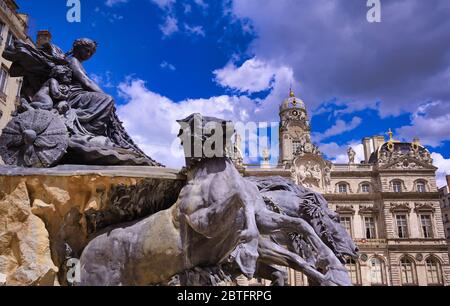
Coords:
pixel 295 113
pixel 296 131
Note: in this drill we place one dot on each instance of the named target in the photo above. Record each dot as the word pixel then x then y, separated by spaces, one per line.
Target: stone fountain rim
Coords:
pixel 105 171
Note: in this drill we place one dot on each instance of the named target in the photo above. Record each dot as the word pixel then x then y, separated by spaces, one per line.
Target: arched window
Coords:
pixel 434 272
pixel 397 186
pixel 376 271
pixel 408 271
pixel 353 271
pixel 343 188
pixel 365 188
pixel 421 186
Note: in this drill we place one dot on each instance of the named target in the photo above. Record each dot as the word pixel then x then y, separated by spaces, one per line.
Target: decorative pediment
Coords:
pixel 368 209
pixel 345 209
pixel 407 163
pixel 400 207
pixel 424 207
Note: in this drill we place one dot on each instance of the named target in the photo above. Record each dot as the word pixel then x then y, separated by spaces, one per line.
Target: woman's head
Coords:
pixel 84 48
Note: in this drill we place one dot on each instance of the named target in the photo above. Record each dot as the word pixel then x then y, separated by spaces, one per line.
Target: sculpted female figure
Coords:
pixel 96 135
pixel 93 107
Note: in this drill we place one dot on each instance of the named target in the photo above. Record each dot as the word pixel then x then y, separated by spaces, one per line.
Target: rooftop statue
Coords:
pixel 63 115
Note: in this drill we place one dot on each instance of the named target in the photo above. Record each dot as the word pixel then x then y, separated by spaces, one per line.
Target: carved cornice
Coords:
pixel 414 196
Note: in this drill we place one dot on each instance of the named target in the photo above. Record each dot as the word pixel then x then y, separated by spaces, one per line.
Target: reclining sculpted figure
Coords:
pixel 56 87
pixel 220 218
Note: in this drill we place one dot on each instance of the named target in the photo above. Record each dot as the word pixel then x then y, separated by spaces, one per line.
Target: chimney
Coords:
pixel 378 141
pixel 43 37
pixel 372 144
pixel 448 181
pixel 367 149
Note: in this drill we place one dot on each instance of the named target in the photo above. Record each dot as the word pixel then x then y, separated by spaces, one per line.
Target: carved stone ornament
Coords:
pixel 364 257
pixel 342 209
pixel 418 207
pixel 419 257
pixel 368 209
pixel 404 207
pixel 36 138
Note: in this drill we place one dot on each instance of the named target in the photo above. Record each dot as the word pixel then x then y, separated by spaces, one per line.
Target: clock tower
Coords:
pixel 295 130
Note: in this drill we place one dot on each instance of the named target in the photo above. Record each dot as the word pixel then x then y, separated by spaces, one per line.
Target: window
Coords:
pixel 421 187
pixel 397 186
pixel 408 274
pixel 353 271
pixel 10 40
pixel 296 145
pixel 3 79
pixel 365 188
pixel 446 218
pixel 343 188
pixel 434 276
pixel 448 232
pixel 2 26
pixel 346 222
pixel 402 226
pixel 376 271
pixel 19 88
pixel 427 226
pixel 370 229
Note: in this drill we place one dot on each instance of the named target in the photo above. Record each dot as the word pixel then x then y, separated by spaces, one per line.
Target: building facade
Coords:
pixel 13 25
pixel 445 207
pixel 389 203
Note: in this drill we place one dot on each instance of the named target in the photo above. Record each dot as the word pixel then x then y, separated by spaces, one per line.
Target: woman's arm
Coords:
pixel 81 76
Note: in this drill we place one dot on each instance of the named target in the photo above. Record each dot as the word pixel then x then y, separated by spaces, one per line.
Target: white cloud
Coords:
pixel 336 53
pixel 253 76
pixel 164 4
pixel 443 166
pixel 111 3
pixel 166 65
pixel 201 3
pixel 340 127
pixel 431 123
pixel 195 30
pixel 151 118
pixel 338 154
pixel 170 26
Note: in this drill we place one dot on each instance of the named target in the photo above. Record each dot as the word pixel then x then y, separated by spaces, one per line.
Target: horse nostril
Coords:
pixel 356 250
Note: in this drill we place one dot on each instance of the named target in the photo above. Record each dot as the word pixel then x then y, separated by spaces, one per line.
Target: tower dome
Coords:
pixel 292 102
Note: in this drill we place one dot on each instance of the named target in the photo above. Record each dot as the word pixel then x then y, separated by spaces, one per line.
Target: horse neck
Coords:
pixel 209 166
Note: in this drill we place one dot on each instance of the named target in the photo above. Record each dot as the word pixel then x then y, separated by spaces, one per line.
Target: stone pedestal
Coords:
pixel 49 215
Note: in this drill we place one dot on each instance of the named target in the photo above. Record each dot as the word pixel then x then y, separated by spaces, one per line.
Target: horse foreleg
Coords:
pixel 273 254
pixel 271 222
pixel 272 273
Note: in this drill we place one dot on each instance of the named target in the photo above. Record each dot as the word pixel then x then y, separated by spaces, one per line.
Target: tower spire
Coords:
pixel 291 92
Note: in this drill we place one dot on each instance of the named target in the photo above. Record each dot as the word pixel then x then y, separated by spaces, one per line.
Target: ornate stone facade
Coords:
pixel 389 203
pixel 12 26
pixel 445 207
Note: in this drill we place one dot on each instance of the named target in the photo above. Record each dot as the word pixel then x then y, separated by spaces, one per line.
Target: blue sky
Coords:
pixel 164 59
